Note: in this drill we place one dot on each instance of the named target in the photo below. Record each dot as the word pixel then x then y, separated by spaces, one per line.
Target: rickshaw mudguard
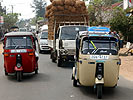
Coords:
pixel 18 69
pixel 99 81
pixel 73 71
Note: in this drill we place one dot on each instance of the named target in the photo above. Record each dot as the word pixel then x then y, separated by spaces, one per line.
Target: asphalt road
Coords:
pixel 54 83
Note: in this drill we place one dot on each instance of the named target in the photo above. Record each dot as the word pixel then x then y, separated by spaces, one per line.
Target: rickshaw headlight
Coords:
pixel 18 65
pixel 99 77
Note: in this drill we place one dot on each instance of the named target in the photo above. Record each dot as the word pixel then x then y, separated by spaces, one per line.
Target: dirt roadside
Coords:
pixel 126 68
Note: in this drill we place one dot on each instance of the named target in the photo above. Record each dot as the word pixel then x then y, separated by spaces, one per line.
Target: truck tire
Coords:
pixel 99 91
pixel 53 60
pixel 59 62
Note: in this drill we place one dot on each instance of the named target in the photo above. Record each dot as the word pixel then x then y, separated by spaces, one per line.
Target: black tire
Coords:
pixel 6 74
pixel 53 60
pixel 75 82
pixel 114 86
pixel 99 91
pixel 36 71
pixel 19 76
pixel 59 63
pixel 40 51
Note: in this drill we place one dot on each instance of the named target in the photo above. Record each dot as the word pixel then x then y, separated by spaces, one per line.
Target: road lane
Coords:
pixel 54 83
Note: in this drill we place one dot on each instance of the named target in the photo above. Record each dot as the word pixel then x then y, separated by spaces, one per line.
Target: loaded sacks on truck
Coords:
pixel 62 11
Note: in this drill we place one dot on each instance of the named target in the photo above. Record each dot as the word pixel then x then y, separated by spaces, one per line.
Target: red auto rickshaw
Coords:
pixel 20 54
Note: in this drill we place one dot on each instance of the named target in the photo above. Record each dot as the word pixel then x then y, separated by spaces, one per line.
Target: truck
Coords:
pixel 63 42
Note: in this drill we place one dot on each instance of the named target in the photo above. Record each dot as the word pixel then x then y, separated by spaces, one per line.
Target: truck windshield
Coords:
pixel 19 43
pixel 69 32
pixel 106 47
pixel 44 35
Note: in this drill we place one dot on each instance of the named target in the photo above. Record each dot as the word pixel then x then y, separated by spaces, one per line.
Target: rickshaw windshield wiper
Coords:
pixel 95 48
pixel 16 46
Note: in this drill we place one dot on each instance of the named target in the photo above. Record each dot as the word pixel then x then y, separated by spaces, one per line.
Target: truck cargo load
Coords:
pixel 65 12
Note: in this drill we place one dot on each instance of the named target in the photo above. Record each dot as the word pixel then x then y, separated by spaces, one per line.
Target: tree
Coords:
pixel 98 11
pixel 122 23
pixel 10 20
pixel 39 7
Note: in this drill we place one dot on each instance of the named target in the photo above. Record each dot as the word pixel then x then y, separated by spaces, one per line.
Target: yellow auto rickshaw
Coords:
pixel 97 60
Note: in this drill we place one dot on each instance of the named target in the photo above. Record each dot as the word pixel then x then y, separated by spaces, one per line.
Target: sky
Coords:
pixel 20 6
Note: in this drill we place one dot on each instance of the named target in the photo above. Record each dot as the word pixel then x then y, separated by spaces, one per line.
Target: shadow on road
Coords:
pixel 118 93
pixel 31 77
pixel 45 52
pixel 67 65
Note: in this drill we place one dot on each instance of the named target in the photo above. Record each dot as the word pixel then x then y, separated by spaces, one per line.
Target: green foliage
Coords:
pixel 34 20
pixel 122 23
pixel 10 20
pixel 98 11
pixel 39 7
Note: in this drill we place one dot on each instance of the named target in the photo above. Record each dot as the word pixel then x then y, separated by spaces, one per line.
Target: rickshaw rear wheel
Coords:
pixel 99 91
pixel 75 82
pixel 19 76
pixel 6 72
pixel 36 71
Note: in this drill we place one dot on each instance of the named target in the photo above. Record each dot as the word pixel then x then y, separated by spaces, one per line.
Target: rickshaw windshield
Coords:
pixel 99 46
pixel 21 42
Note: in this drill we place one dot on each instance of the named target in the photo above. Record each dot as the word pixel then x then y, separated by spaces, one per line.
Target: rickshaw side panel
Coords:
pixel 9 63
pixel 111 73
pixel 86 72
pixel 28 62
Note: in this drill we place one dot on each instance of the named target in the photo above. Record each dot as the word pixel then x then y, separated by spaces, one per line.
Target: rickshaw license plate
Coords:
pixel 19 51
pixel 99 57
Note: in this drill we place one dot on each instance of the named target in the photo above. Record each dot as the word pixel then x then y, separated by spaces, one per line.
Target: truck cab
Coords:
pixel 65 42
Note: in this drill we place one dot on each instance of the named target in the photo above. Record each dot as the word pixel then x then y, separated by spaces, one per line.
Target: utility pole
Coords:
pixel 12 8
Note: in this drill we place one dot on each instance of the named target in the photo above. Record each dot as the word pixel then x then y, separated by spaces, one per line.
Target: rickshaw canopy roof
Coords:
pixel 19 34
pixel 98 29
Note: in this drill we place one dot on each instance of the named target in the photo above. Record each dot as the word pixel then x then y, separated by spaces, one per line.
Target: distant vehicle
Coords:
pixel 43 42
pixel 14 29
pixel 22 30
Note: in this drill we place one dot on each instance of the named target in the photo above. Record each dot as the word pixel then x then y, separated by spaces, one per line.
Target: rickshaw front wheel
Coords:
pixel 19 76
pixel 74 82
pixel 99 91
pixel 36 71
